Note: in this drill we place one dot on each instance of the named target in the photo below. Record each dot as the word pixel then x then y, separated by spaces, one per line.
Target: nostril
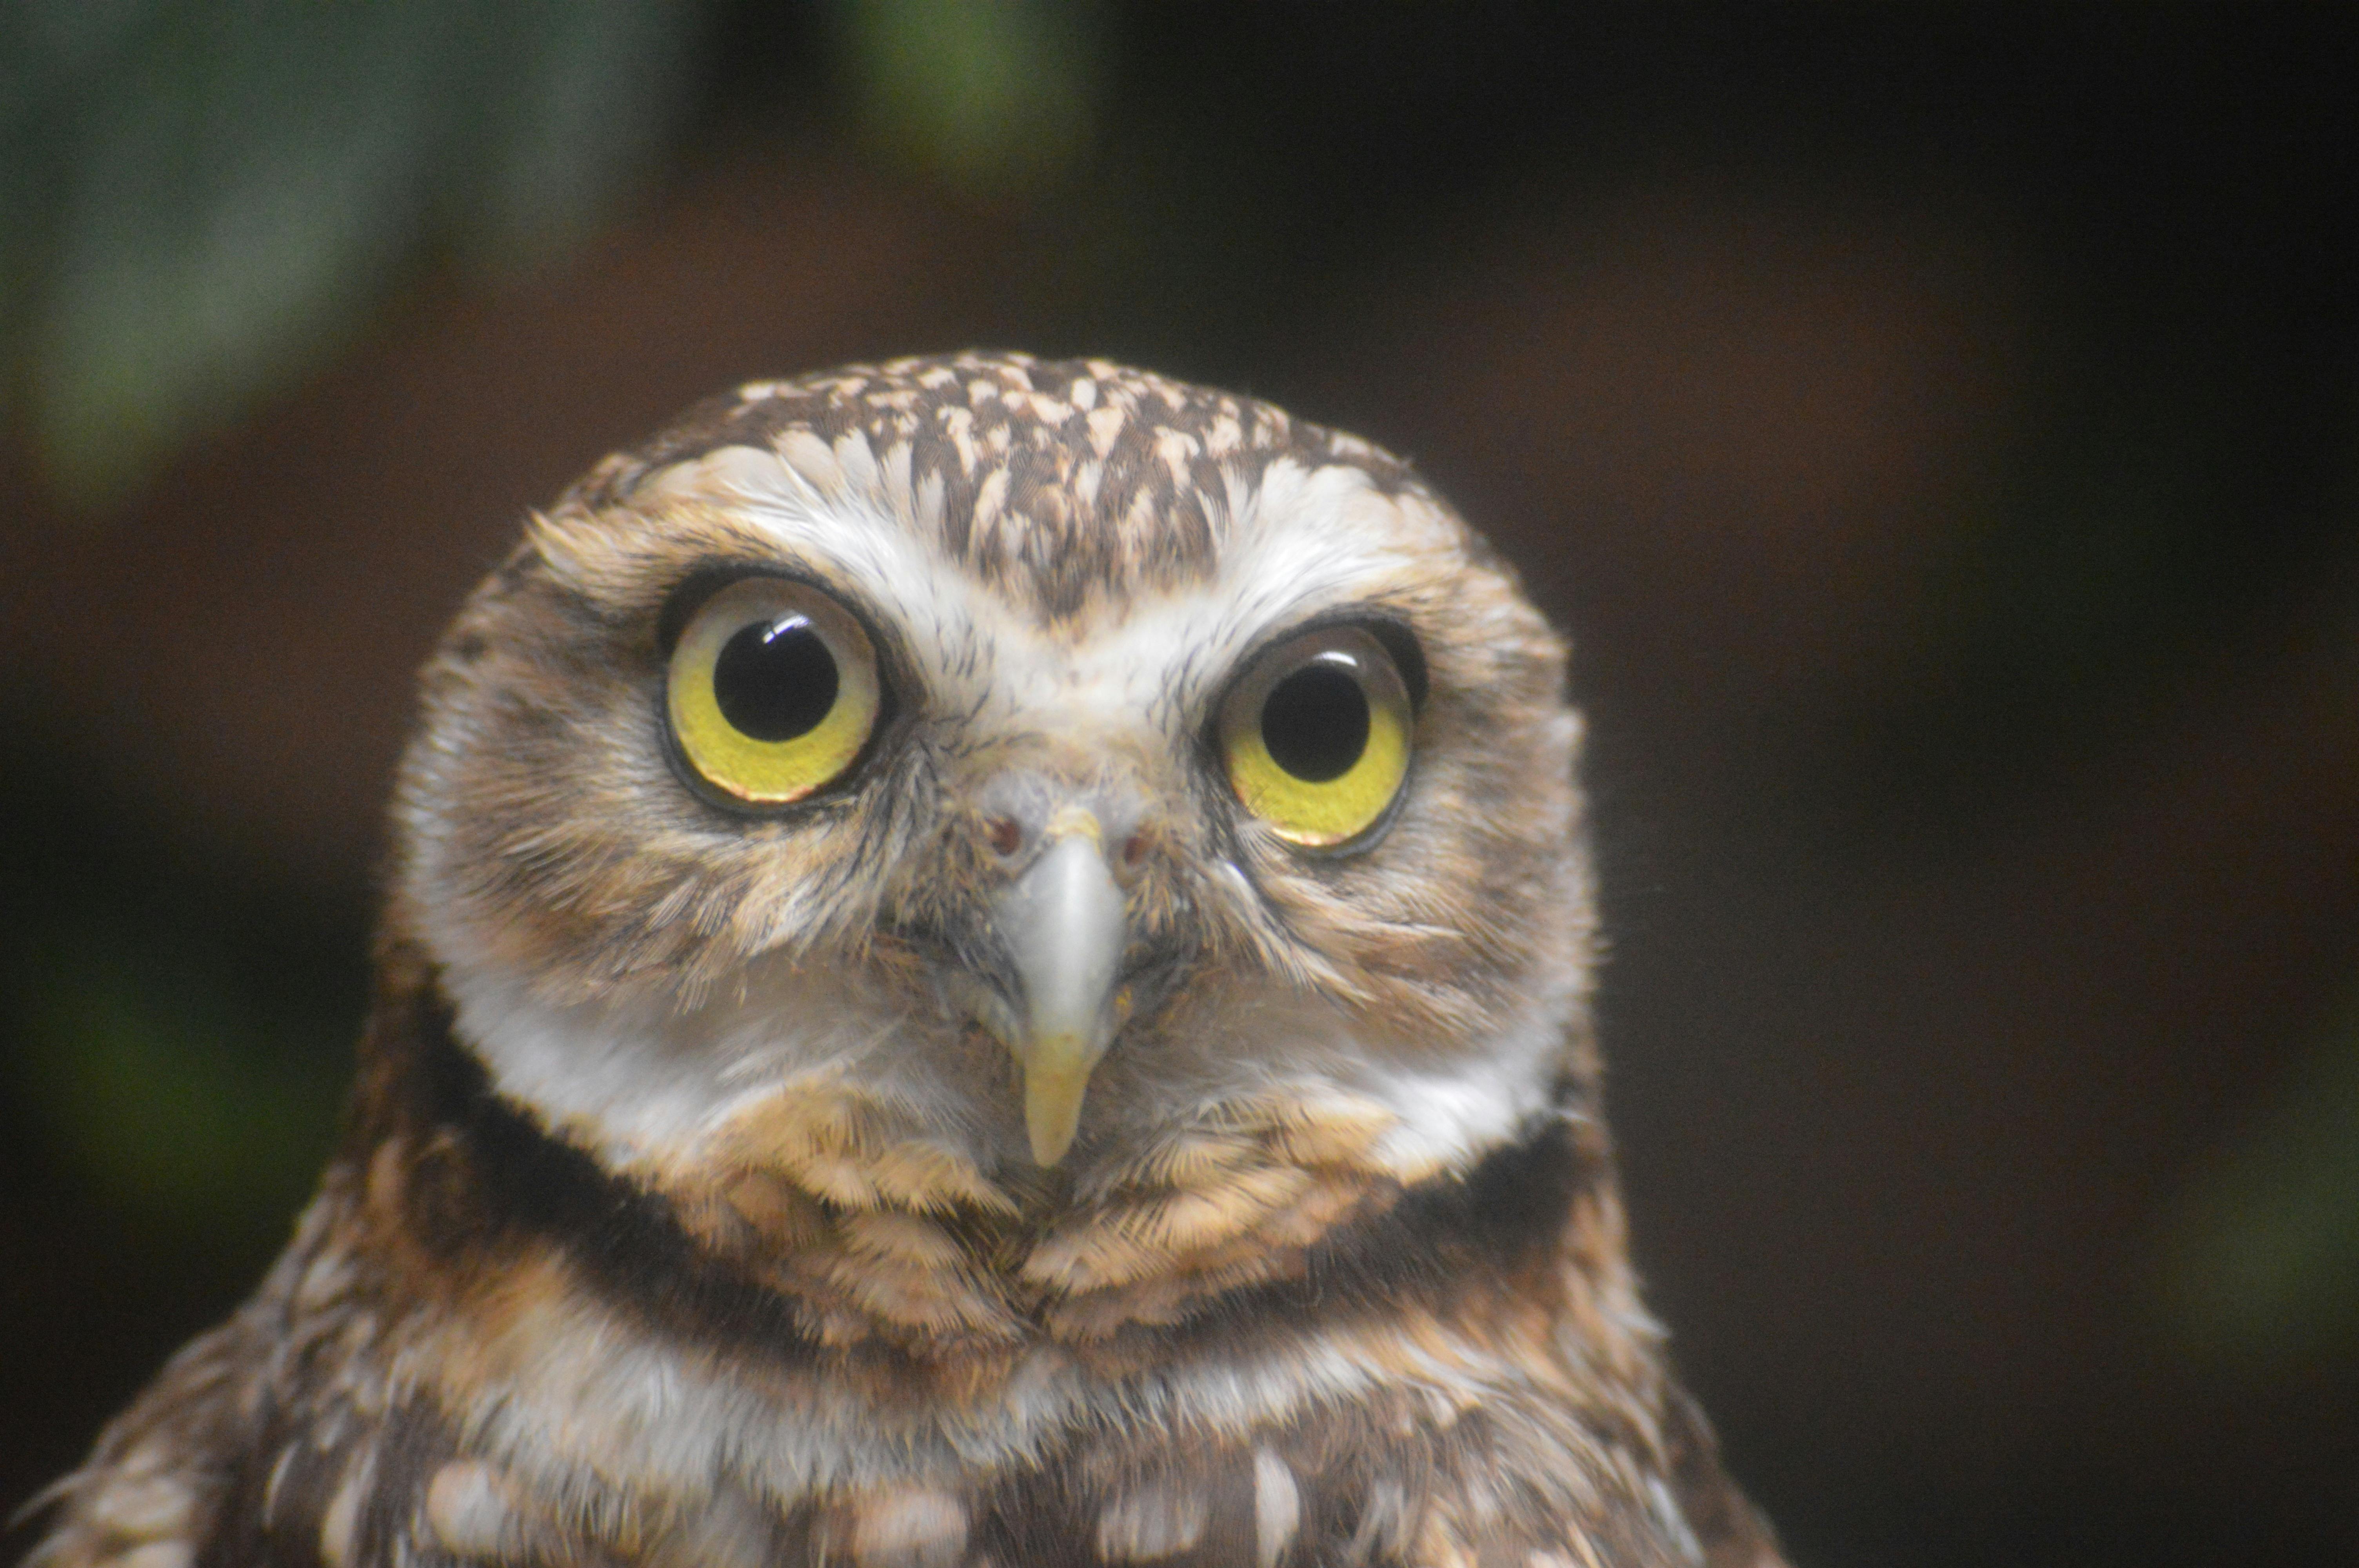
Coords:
pixel 1007 834
pixel 1133 850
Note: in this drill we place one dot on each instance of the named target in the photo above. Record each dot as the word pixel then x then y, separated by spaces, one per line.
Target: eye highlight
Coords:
pixel 772 690
pixel 1316 735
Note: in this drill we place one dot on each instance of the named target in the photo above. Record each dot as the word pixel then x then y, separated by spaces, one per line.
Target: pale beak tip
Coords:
pixel 1049 1147
pixel 1053 1108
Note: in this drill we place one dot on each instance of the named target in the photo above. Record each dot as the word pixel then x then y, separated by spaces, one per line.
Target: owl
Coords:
pixel 987 962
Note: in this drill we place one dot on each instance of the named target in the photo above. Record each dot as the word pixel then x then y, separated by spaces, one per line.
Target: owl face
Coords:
pixel 1056 762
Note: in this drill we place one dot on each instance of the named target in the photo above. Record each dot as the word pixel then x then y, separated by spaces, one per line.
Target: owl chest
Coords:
pixel 647 1459
pixel 1303 1497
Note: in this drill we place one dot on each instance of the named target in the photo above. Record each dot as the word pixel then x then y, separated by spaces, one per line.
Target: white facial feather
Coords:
pixel 642 1084
pixel 643 1080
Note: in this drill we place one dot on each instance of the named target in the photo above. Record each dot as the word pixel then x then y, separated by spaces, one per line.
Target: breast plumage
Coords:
pixel 987 962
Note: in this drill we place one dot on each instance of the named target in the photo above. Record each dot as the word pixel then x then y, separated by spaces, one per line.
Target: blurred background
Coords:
pixel 1938 426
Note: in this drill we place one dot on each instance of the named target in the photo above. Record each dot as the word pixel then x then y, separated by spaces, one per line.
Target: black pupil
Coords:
pixel 1315 722
pixel 774 680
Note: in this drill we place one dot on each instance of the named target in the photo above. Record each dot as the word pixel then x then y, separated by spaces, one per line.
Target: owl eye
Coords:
pixel 1316 735
pixel 773 690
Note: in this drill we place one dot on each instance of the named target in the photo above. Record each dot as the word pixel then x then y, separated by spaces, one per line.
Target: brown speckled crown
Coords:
pixel 1052 480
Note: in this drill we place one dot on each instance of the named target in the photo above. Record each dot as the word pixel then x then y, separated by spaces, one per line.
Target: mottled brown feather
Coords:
pixel 1274 1310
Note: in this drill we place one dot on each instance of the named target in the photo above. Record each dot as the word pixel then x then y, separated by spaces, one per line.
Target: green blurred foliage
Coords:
pixel 205 199
pixel 176 1032
pixel 997 96
pixel 2262 1276
pixel 169 1092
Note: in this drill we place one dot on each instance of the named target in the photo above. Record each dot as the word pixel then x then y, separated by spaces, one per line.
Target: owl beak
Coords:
pixel 1062 924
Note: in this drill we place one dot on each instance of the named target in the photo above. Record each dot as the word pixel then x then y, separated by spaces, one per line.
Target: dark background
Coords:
pixel 1938 426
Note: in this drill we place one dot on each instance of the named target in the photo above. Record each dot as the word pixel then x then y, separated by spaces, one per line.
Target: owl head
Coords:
pixel 931 775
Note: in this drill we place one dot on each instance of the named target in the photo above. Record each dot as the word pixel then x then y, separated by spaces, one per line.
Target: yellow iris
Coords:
pixel 773 690
pixel 1317 736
